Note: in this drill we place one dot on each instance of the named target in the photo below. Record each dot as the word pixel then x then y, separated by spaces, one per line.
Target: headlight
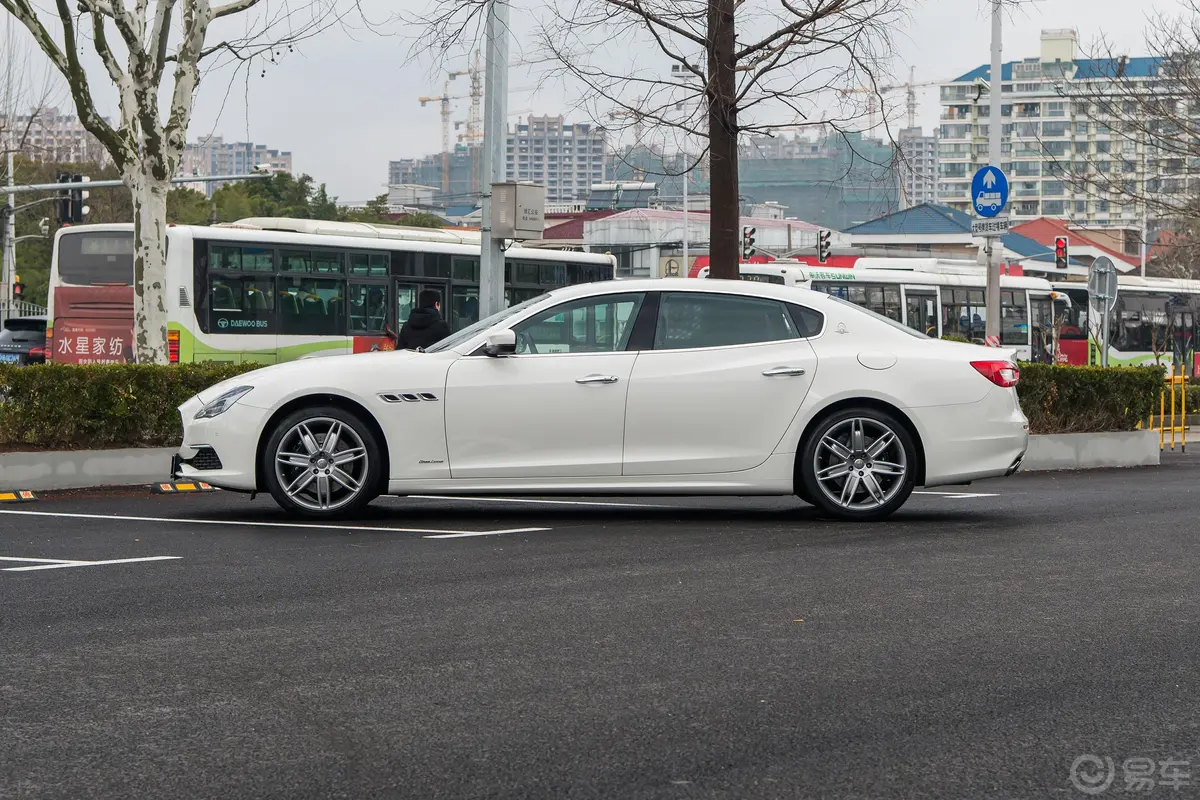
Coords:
pixel 223 403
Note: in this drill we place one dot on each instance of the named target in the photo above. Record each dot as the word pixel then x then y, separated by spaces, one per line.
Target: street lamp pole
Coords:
pixel 686 176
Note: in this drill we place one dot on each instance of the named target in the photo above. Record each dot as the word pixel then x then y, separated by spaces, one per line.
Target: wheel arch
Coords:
pixel 861 402
pixel 323 399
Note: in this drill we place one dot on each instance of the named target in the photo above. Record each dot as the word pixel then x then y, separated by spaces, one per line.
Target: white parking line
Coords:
pixel 529 500
pixel 959 494
pixel 69 564
pixel 483 533
pixel 292 525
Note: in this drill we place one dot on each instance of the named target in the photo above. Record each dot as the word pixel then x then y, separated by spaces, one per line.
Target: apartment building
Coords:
pixel 1050 133
pixel 917 167
pixel 212 155
pixel 48 135
pixel 566 158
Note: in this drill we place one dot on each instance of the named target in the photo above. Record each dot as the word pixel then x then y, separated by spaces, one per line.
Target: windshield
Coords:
pixel 87 259
pixel 468 333
pixel 898 326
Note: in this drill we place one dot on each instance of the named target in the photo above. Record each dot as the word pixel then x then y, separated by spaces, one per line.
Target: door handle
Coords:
pixel 597 379
pixel 783 371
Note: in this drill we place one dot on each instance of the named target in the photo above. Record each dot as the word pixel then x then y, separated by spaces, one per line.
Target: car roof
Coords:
pixel 711 285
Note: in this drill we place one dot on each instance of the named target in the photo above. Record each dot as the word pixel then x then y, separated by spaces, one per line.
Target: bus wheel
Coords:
pixel 322 462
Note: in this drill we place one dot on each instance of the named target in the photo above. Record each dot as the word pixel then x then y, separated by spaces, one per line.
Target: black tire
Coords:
pixel 879 472
pixel 337 471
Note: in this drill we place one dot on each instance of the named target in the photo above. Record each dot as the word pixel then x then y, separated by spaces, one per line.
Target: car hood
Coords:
pixel 320 371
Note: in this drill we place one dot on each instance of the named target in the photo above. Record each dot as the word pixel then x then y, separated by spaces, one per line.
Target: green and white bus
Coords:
pixel 266 290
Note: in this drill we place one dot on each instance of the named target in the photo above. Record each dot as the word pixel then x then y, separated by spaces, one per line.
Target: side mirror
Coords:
pixel 500 344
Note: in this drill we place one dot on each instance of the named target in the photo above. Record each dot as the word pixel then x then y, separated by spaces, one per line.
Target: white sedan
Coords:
pixel 679 387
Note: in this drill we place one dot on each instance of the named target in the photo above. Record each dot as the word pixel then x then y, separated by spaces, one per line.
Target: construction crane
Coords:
pixel 445 102
pixel 873 93
pixel 637 118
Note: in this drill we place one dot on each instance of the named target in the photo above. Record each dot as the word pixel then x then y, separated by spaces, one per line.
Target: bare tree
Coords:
pixel 1145 112
pixel 146 143
pixel 707 72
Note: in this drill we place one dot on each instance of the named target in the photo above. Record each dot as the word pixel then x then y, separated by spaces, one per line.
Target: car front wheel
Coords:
pixel 859 464
pixel 322 463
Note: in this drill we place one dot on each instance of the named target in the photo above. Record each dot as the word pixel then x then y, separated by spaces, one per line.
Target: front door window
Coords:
pixel 594 325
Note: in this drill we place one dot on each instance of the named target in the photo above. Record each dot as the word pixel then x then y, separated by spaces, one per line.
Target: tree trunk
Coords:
pixel 725 217
pixel 149 267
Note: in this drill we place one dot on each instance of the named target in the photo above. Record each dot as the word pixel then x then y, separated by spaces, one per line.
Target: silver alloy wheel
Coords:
pixel 860 464
pixel 321 464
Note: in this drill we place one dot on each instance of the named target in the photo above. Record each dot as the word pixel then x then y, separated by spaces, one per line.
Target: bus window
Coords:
pixel 464 307
pixel 86 259
pixel 963 313
pixel 368 308
pixel 312 307
pixel 921 310
pixel 465 269
pixel 1014 318
pixel 241 304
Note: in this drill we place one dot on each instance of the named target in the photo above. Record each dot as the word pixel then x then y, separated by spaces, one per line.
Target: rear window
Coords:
pixel 87 259
pixel 23 331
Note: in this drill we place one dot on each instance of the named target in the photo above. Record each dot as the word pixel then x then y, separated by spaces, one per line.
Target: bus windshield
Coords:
pixel 95 258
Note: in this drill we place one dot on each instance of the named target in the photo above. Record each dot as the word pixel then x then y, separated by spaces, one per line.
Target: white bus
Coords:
pixel 950 302
pixel 270 290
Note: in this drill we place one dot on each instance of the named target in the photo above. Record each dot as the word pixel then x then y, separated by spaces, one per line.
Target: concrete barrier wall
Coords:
pixel 80 469
pixel 1092 451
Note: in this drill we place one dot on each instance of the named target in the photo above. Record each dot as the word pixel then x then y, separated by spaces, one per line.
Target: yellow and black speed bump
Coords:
pixel 186 487
pixel 17 497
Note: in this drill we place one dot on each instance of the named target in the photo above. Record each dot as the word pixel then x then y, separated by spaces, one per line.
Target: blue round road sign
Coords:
pixel 989 191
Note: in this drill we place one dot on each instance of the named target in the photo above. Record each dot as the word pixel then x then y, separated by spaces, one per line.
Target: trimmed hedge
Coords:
pixel 64 407
pixel 67 407
pixel 1062 399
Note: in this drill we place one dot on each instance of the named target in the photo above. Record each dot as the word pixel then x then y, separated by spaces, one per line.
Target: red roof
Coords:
pixel 571 229
pixel 1044 230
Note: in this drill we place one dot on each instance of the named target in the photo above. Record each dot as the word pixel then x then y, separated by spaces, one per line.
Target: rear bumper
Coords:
pixel 973 441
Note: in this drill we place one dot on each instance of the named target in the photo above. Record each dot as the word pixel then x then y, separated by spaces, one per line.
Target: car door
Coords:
pixel 554 409
pixel 725 379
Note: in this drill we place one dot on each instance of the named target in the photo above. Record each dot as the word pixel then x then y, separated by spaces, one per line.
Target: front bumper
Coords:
pixel 234 436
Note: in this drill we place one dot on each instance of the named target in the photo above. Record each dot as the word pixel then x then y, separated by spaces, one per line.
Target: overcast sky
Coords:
pixel 345 103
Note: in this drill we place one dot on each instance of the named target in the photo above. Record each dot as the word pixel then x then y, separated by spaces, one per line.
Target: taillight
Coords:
pixel 173 346
pixel 1002 373
pixel 49 348
pixel 37 351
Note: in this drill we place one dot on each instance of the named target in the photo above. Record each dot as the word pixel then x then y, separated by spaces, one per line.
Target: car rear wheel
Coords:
pixel 322 463
pixel 859 464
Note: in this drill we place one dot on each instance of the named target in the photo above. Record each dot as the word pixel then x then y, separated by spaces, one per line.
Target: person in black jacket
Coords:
pixel 425 326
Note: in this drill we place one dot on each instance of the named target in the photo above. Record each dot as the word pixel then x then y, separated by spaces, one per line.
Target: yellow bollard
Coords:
pixel 1162 419
pixel 1172 406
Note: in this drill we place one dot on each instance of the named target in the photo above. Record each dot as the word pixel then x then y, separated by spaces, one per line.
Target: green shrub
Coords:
pixel 1061 399
pixel 950 337
pixel 66 407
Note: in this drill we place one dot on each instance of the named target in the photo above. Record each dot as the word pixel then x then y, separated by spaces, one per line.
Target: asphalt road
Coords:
pixel 975 646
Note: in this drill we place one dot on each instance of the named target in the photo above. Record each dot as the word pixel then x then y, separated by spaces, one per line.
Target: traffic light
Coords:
pixel 70 209
pixel 62 206
pixel 748 242
pixel 18 288
pixel 824 245
pixel 1060 252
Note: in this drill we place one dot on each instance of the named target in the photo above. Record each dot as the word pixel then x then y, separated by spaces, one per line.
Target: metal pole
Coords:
pixel 687 266
pixel 995 130
pixel 495 134
pixel 1145 170
pixel 10 233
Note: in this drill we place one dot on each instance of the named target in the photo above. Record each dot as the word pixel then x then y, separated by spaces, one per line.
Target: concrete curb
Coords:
pixel 83 469
pixel 1092 451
